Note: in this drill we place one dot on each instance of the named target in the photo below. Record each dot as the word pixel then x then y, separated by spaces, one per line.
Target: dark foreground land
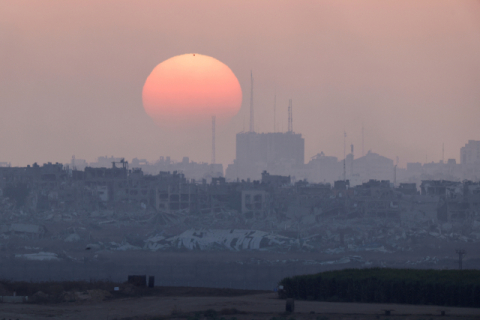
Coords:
pixel 219 304
pixel 256 270
pixel 387 285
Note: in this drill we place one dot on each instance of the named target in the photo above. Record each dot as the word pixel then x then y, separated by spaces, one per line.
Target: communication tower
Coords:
pixel 252 124
pixel 443 152
pixel 344 156
pixel 353 157
pixel 213 139
pixel 290 117
pixel 363 141
pixel 275 112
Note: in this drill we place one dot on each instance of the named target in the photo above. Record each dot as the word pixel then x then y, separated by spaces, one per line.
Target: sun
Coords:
pixel 187 90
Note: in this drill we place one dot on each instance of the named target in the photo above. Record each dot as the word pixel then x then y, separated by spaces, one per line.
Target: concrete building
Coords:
pixel 191 169
pixel 373 166
pixel 278 153
pixel 254 203
pixel 324 168
pixel 275 180
pixel 79 164
pixel 470 153
pixel 174 192
pixel 103 162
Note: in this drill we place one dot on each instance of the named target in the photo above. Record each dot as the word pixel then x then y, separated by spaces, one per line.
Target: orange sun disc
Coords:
pixel 187 90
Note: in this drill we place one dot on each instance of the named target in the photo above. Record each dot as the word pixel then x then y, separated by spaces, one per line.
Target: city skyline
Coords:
pixel 404 73
pixel 221 159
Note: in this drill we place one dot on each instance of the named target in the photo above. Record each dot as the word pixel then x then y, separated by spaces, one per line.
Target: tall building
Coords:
pixel 277 152
pixel 470 153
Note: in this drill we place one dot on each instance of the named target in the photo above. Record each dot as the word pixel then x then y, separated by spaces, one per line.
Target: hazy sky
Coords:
pixel 72 72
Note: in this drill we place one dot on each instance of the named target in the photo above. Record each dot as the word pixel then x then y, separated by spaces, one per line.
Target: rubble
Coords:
pixel 72 238
pixel 40 256
pixel 227 239
pixel 88 295
pixel 59 217
pixel 427 259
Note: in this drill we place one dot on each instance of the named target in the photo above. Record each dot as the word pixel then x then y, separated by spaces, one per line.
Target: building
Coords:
pixel 470 153
pixel 275 180
pixel 254 203
pixel 374 166
pixel 278 153
pixel 191 170
pixel 324 168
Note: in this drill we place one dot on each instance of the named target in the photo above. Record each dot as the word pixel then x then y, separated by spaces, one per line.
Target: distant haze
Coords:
pixel 72 73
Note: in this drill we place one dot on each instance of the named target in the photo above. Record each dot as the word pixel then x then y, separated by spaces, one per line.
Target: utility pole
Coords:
pixel 460 253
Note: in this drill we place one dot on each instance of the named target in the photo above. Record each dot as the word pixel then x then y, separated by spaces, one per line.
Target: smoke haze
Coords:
pixel 71 75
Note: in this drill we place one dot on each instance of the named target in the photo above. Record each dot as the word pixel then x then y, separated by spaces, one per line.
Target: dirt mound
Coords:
pixel 88 295
pixel 99 295
pixel 40 296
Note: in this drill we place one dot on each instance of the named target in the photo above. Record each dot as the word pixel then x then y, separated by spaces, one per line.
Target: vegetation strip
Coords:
pixel 385 285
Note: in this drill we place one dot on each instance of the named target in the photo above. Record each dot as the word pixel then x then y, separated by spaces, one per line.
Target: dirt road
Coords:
pixel 260 306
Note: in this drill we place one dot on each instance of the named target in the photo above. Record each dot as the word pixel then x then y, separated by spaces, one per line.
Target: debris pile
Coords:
pixel 50 213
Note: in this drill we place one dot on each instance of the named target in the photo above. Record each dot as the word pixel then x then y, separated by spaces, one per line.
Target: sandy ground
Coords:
pixel 253 307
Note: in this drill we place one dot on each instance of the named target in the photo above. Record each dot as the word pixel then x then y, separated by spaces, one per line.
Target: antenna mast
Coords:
pixel 213 139
pixel 252 127
pixel 394 175
pixel 363 140
pixel 275 112
pixel 351 164
pixel 344 157
pixel 443 152
pixel 290 118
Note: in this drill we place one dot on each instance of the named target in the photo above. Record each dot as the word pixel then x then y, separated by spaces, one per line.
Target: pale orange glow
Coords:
pixel 189 89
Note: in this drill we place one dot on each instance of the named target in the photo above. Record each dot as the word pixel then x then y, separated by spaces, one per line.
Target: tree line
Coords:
pixel 386 285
